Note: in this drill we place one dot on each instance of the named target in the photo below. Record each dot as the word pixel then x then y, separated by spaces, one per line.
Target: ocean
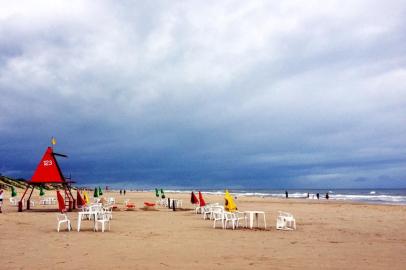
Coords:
pixel 376 196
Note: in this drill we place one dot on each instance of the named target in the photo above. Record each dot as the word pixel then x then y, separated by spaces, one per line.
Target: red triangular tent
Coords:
pixel 47 170
pixel 193 198
pixel 202 202
pixel 61 202
pixel 79 200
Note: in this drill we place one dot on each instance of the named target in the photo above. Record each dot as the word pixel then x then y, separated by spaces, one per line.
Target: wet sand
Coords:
pixel 329 235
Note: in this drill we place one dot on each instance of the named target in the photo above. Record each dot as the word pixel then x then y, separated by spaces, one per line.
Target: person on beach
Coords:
pixel 286 194
pixel 327 196
pixel 308 195
pixel 1 197
pixel 121 192
pixel 124 192
pixel 318 196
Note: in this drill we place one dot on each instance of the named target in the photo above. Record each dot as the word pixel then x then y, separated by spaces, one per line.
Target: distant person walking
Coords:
pixel 308 195
pixel 286 194
pixel 327 196
pixel 121 192
pixel 1 197
pixel 124 192
pixel 318 196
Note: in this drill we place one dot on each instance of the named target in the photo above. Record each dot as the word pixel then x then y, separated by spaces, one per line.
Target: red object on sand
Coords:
pixel 149 204
pixel 61 202
pixel 202 202
pixel 47 170
pixel 194 199
pixel 79 200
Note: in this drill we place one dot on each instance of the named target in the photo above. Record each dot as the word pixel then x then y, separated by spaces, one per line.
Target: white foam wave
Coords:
pixel 371 197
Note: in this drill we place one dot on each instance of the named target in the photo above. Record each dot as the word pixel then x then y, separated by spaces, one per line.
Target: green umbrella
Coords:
pixel 157 192
pixel 162 194
pixel 13 192
pixel 100 191
pixel 41 191
pixel 96 193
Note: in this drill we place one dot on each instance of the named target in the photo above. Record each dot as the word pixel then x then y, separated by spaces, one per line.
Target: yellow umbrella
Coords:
pixel 86 197
pixel 229 202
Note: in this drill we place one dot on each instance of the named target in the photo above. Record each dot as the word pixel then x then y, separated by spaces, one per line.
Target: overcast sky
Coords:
pixel 206 93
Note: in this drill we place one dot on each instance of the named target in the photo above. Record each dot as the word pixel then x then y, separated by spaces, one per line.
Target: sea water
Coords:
pixel 378 196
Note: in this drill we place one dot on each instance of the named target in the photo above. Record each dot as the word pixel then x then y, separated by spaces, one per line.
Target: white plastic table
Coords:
pixel 251 215
pixel 81 214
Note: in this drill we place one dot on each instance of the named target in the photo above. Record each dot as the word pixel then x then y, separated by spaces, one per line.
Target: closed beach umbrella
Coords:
pixel 193 198
pixel 157 192
pixel 229 202
pixel 61 202
pixel 162 194
pixel 79 199
pixel 86 197
pixel 96 193
pixel 100 191
pixel 41 191
pixel 202 202
pixel 13 192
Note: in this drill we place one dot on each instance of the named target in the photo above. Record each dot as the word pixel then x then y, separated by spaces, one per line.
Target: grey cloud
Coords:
pixel 285 93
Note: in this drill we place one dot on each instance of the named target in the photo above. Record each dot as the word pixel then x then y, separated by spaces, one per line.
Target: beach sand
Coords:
pixel 329 235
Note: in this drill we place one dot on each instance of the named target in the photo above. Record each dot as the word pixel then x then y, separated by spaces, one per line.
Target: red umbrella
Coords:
pixel 80 200
pixel 194 199
pixel 202 202
pixel 61 202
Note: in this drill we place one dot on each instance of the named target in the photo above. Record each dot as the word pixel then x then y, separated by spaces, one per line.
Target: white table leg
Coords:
pixel 251 220
pixel 264 221
pixel 79 221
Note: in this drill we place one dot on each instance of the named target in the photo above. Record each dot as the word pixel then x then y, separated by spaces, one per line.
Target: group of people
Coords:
pixel 308 195
pixel 122 192
pixel 318 196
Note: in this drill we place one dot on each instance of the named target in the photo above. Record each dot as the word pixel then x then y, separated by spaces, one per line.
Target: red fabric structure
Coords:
pixel 202 202
pixel 148 204
pixel 47 170
pixel 193 198
pixel 79 200
pixel 61 202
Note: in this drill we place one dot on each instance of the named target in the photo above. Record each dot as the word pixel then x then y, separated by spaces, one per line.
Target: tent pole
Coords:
pixel 20 203
pixel 28 200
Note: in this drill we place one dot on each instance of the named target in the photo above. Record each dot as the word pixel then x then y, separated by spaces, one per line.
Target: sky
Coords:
pixel 243 94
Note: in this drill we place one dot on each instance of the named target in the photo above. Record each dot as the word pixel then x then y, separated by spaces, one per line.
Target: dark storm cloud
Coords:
pixel 231 93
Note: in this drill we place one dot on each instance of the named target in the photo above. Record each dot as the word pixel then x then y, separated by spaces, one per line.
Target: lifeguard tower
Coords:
pixel 49 172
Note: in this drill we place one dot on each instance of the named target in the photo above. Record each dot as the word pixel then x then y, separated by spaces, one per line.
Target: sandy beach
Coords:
pixel 329 235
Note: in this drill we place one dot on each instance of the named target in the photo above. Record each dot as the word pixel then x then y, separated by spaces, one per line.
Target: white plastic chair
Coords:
pixel 199 209
pixel 230 218
pixel 102 218
pixel 214 209
pixel 13 201
pixel 63 218
pixel 111 200
pixel 206 211
pixel 241 216
pixel 179 203
pixel 218 215
pixel 108 211
pixel 285 221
